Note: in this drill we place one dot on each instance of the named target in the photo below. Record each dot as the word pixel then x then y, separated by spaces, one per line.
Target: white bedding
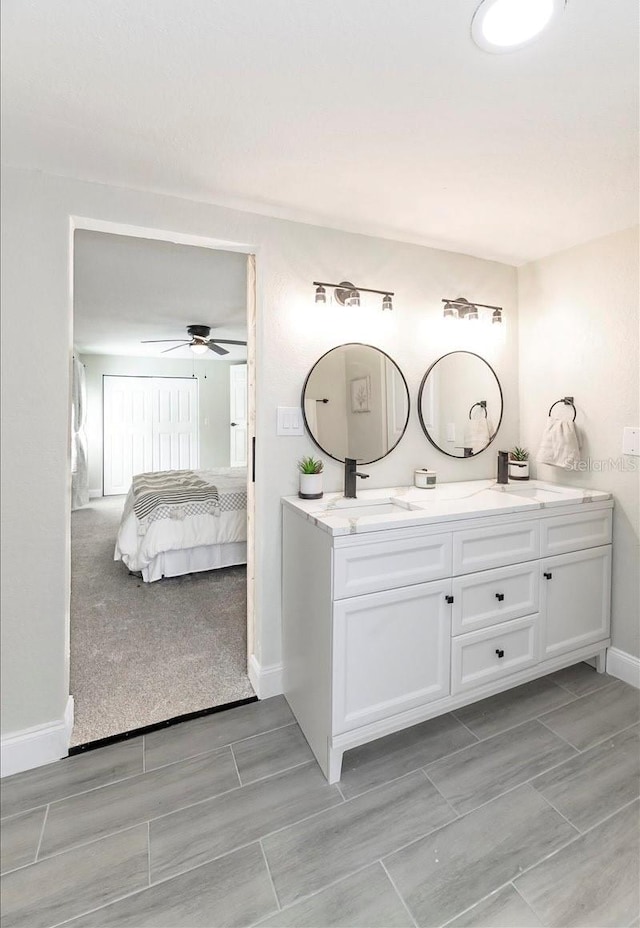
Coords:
pixel 138 544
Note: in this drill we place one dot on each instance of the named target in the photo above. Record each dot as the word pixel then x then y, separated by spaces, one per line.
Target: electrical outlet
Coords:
pixel 631 441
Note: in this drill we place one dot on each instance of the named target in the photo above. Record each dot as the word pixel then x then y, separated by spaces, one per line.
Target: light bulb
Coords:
pixel 502 25
pixel 353 299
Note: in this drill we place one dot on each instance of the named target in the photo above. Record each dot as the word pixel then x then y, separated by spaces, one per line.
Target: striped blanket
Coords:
pixel 172 494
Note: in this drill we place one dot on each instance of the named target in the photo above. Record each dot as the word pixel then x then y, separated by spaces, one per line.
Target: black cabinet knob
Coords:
pixel 500 597
pixel 449 599
pixel 548 576
pixel 499 652
pixel 233 423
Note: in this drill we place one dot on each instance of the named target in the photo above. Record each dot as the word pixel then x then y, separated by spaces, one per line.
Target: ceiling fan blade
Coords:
pixel 216 348
pixel 182 345
pixel 227 341
pixel 156 341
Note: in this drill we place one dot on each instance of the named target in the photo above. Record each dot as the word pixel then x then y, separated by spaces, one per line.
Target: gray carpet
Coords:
pixel 145 652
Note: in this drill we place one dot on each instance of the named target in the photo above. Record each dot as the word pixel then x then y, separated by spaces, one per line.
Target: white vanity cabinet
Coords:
pixel 387 627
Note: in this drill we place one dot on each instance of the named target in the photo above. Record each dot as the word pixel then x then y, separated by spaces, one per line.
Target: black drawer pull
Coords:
pixel 500 597
pixel 548 576
pixel 449 599
pixel 499 652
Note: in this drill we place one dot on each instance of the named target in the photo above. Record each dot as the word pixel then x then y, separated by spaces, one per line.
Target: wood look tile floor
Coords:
pixel 521 810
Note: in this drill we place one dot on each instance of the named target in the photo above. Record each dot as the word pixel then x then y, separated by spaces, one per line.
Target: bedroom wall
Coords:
pixel 579 337
pixel 213 405
pixel 292 333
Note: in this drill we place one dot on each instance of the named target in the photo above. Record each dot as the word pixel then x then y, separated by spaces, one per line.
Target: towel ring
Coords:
pixel 568 401
pixel 482 404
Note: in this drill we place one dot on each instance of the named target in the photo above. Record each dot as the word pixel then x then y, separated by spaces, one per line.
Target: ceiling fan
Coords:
pixel 199 341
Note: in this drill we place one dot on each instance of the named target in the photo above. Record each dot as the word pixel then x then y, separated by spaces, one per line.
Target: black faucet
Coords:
pixel 503 467
pixel 350 475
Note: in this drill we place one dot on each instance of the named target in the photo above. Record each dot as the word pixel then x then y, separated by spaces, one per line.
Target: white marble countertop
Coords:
pixel 399 507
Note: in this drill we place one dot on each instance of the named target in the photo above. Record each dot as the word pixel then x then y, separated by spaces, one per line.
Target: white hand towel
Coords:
pixel 477 434
pixel 559 446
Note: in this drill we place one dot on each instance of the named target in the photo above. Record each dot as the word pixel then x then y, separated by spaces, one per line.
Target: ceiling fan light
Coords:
pixel 199 347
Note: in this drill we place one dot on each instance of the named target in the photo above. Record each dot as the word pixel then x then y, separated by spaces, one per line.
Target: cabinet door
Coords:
pixel 391 653
pixel 576 598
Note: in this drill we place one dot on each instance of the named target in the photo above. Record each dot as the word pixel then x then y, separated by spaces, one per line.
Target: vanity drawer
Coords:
pixel 390 564
pixel 561 534
pixel 476 660
pixel 492 596
pixel 483 548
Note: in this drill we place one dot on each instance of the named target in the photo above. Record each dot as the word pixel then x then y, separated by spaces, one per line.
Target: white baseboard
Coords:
pixel 624 666
pixel 266 680
pixel 94 494
pixel 33 747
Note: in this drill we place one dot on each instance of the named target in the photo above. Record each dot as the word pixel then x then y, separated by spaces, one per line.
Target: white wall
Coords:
pixel 292 333
pixel 579 337
pixel 213 403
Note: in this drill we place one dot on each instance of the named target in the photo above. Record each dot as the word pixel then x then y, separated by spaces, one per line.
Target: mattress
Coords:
pixel 183 527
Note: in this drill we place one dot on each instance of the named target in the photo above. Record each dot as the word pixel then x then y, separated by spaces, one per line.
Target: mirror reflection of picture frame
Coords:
pixel 361 394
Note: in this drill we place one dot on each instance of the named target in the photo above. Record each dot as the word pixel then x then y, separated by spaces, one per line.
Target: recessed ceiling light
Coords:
pixel 504 25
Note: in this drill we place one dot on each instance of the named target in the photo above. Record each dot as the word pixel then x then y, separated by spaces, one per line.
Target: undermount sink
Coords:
pixel 517 490
pixel 351 509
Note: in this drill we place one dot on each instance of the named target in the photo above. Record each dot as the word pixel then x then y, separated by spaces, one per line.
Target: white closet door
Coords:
pixel 150 424
pixel 128 431
pixel 175 424
pixel 238 413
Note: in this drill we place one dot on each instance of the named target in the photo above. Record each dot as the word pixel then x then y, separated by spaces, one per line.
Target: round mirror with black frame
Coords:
pixel 460 404
pixel 356 403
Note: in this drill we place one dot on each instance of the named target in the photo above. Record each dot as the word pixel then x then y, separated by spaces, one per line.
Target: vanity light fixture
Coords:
pixel 347 294
pixel 461 308
pixel 505 25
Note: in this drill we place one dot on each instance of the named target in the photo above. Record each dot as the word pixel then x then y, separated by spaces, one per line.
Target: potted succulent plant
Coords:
pixel 310 478
pixel 518 464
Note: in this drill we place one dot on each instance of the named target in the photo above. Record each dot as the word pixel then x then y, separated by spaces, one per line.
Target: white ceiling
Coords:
pixel 129 289
pixel 379 116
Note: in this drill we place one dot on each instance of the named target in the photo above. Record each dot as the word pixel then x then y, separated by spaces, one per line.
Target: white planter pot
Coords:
pixel 310 486
pixel 518 470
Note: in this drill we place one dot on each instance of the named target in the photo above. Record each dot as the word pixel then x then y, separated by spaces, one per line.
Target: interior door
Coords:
pixel 128 431
pixel 238 415
pixel 175 423
pixel 150 424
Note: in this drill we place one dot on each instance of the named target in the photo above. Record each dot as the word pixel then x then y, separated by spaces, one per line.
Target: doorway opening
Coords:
pixel 162 497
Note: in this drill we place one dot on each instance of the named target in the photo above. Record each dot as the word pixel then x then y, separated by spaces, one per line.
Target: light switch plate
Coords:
pixel 289 421
pixel 631 441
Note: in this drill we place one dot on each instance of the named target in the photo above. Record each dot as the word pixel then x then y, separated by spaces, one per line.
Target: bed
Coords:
pixel 180 522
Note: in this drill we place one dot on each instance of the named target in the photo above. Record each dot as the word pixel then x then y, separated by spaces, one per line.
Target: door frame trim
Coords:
pixel 253 254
